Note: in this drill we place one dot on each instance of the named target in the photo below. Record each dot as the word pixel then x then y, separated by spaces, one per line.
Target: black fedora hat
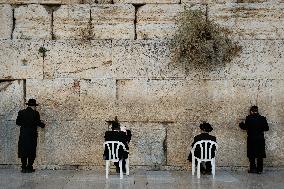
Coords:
pixel 205 127
pixel 32 102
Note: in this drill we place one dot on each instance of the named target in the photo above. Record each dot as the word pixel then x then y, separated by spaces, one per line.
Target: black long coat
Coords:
pixel 255 125
pixel 202 136
pixel 121 137
pixel 28 119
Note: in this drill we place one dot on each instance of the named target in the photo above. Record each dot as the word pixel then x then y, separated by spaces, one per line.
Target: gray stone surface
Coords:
pixel 59 98
pixel 6 20
pixel 20 59
pixel 12 99
pixel 113 21
pixel 147 1
pixel 97 99
pixel 144 59
pixel 77 59
pixel 41 1
pixel 250 21
pixel 72 22
pixel 32 22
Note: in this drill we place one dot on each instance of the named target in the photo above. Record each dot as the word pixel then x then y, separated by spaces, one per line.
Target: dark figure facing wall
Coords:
pixel 28 119
pixel 255 125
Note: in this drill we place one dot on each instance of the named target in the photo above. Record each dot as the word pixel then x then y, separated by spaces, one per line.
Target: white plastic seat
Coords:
pixel 205 147
pixel 113 149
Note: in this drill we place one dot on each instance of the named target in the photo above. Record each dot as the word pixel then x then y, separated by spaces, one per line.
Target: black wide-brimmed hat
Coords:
pixel 32 102
pixel 205 127
pixel 114 123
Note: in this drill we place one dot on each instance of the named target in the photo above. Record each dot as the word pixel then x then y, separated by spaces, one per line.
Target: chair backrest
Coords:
pixel 205 149
pixel 113 149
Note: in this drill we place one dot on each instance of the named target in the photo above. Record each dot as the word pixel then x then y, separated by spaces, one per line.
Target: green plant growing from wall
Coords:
pixel 199 41
pixel 42 51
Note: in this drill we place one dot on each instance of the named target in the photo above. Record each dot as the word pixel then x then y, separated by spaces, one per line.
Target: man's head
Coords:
pixel 254 110
pixel 206 127
pixel 32 103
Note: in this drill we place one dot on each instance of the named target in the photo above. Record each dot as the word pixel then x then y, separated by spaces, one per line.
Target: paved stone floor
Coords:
pixel 139 179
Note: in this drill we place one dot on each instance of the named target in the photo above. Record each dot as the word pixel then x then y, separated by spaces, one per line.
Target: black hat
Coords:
pixel 32 102
pixel 254 109
pixel 114 124
pixel 206 127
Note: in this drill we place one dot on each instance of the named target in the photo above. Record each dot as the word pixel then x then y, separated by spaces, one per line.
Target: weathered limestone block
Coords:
pixel 2 140
pixel 32 21
pixel 274 144
pixel 6 20
pixel 144 59
pixel 75 142
pixel 77 59
pixel 42 1
pixel 147 144
pixel 157 21
pixel 113 21
pixel 98 1
pixel 271 100
pixel 147 1
pixel 58 99
pixel 12 99
pixel 97 99
pixel 20 59
pixel 72 22
pixel 179 139
pixel 250 21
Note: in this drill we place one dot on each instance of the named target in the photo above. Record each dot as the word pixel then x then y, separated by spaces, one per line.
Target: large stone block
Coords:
pixel 6 20
pixel 250 21
pixel 97 99
pixel 11 147
pixel 113 21
pixel 72 22
pixel 271 100
pixel 12 99
pixel 147 146
pixel 76 59
pixel 32 22
pixel 58 99
pixel 74 142
pixel 20 59
pixel 2 141
pixel 41 1
pixel 157 21
pixel 147 1
pixel 144 59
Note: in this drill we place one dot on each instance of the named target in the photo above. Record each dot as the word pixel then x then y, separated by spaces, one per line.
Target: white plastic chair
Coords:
pixel 205 157
pixel 113 148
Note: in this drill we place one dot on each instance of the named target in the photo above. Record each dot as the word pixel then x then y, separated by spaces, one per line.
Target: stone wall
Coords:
pixel 87 61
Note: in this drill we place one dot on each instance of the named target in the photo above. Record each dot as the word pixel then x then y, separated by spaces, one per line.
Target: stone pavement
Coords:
pixel 139 179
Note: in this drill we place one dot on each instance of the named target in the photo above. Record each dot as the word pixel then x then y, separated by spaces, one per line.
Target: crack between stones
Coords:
pixel 136 6
pixel 14 23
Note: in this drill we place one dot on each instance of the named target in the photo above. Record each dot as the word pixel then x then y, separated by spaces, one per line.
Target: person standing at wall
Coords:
pixel 255 125
pixel 28 119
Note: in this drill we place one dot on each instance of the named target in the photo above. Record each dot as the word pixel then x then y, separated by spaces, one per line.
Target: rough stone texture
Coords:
pixel 72 22
pixel 20 59
pixel 156 21
pixel 147 1
pixel 147 144
pixel 144 59
pixel 2 140
pixel 75 142
pixel 58 98
pixel 41 1
pixel 32 22
pixel 11 148
pixel 12 99
pixel 97 99
pixel 113 21
pixel 6 20
pixel 78 59
pixel 250 21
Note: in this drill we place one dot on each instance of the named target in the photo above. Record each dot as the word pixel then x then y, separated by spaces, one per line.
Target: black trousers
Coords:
pixel 258 166
pixel 123 165
pixel 27 162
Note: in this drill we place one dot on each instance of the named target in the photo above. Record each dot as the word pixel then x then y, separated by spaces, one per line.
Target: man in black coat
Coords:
pixel 255 125
pixel 206 128
pixel 117 135
pixel 28 120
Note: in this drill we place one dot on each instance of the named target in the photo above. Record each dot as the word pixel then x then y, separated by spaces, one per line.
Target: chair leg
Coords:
pixel 193 166
pixel 120 169
pixel 107 169
pixel 213 167
pixel 198 169
pixel 127 166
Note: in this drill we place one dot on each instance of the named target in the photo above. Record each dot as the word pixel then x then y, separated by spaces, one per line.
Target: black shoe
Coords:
pixel 30 170
pixel 24 170
pixel 252 171
pixel 259 172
